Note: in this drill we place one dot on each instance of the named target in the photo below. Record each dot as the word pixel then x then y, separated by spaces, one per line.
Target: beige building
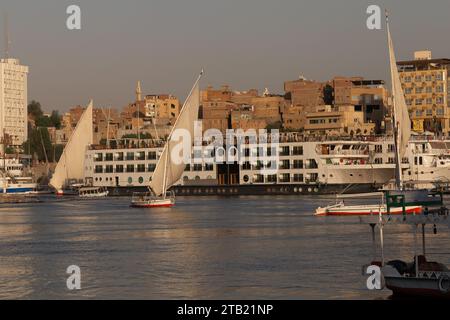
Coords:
pixel 225 109
pixel 13 101
pixel 337 120
pixel 162 106
pixel 368 99
pixel 426 85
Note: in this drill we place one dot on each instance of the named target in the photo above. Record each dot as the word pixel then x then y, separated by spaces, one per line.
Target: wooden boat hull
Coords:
pixel 163 203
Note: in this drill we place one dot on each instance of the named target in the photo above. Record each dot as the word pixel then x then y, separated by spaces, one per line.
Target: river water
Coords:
pixel 253 247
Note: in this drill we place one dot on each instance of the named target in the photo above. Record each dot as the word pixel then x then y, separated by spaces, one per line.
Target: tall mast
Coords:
pixel 395 123
pixel 166 162
pixel 6 36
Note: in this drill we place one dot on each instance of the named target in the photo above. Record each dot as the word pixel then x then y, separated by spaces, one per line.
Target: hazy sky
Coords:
pixel 244 43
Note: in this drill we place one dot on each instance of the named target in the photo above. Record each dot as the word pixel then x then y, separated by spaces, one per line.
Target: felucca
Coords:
pixel 70 166
pixel 410 201
pixel 168 171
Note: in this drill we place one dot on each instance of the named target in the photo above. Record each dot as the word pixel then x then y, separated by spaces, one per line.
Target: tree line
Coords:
pixel 39 143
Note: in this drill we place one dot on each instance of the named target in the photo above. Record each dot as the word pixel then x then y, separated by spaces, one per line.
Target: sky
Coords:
pixel 243 43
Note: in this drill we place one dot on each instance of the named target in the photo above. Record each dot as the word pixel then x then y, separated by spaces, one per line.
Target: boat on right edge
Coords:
pixel 412 201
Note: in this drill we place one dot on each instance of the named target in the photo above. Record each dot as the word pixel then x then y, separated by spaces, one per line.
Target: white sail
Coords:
pixel 168 171
pixel 401 116
pixel 71 163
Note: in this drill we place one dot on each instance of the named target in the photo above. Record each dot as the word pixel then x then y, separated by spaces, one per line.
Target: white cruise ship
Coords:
pixel 13 179
pixel 303 166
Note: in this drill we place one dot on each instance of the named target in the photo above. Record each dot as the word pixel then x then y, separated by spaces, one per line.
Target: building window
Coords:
pixel 141 180
pixel 284 151
pixel 298 164
pixel 419 102
pixel 141 168
pixel 297 151
pixel 258 178
pixel 140 155
pixel 109 169
pixel 151 167
pixel 119 156
pixel 130 156
pixel 298 177
pixel 272 178
pixel 109 157
pixel 197 167
pixel 98 169
pixel 98 157
pixel 151 155
pixel 311 164
pixel 246 166
pixel 119 168
pixel 284 164
pixel 285 177
pixel 130 167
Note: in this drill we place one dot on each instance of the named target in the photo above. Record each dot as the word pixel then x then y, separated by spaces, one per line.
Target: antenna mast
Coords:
pixel 6 36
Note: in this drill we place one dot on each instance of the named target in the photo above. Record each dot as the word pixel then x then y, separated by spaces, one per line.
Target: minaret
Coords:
pixel 138 91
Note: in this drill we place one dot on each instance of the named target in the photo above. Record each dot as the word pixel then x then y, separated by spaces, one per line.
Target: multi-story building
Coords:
pixel 368 98
pixel 426 85
pixel 162 106
pixel 338 120
pixel 13 101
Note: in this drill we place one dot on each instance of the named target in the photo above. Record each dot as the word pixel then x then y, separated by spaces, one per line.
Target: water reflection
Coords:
pixel 212 248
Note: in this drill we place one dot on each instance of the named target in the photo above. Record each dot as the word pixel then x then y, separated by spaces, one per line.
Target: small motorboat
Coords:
pixel 93 192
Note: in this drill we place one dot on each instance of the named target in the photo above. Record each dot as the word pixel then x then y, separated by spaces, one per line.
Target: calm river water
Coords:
pixel 204 248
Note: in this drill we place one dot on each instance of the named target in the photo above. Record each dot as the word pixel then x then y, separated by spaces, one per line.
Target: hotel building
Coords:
pixel 13 101
pixel 426 84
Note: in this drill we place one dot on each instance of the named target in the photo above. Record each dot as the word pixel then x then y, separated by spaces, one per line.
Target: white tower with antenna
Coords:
pixel 13 103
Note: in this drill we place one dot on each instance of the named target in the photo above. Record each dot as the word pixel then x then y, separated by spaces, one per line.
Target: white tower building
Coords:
pixel 13 100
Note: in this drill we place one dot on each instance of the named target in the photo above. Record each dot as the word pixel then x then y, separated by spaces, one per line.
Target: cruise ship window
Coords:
pixel 297 151
pixel 246 165
pixel 119 156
